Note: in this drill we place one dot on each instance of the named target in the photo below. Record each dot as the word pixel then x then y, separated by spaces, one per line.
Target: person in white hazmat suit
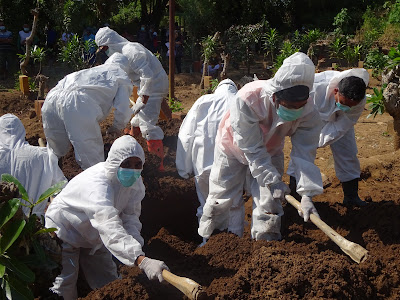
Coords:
pixel 251 135
pixel 97 216
pixel 340 100
pixel 147 73
pixel 196 142
pixel 35 167
pixel 74 107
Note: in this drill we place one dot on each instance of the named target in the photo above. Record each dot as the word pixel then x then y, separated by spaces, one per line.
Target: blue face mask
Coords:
pixel 128 177
pixel 342 107
pixel 288 114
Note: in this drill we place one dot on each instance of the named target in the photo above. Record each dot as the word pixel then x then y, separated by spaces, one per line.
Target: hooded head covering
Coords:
pixel 326 107
pixel 12 132
pixel 226 83
pixel 120 60
pixel 108 37
pixel 124 147
pixel 297 69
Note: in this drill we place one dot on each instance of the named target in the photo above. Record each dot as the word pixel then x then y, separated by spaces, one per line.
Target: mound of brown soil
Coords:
pixel 305 264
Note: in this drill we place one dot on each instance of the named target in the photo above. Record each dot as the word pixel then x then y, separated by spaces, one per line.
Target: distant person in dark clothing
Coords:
pixel 6 51
pixel 51 39
pixel 143 36
pixel 178 51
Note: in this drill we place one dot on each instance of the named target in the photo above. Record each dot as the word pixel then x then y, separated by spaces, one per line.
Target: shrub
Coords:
pixel 376 60
pixel 19 232
pixel 375 102
pixel 394 15
pixel 287 50
pixel 270 42
pixel 76 53
pixel 336 48
pixel 342 22
pixel 175 105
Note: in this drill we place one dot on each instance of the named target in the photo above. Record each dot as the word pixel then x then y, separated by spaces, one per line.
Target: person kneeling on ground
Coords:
pixel 97 216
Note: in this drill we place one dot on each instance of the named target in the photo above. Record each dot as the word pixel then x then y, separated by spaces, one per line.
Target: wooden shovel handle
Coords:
pixel 189 287
pixel 355 251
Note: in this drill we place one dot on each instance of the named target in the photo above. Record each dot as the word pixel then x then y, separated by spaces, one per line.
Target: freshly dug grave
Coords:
pixel 305 264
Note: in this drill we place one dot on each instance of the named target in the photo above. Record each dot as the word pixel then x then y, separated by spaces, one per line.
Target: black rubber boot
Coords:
pixel 293 187
pixel 350 191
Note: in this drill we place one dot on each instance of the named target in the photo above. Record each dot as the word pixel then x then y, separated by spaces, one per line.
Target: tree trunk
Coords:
pixel 391 101
pixel 29 41
pixel 42 85
pixel 205 67
pixel 206 61
pixel 225 58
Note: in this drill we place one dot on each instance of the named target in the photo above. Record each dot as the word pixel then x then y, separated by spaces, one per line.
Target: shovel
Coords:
pixel 355 251
pixel 190 288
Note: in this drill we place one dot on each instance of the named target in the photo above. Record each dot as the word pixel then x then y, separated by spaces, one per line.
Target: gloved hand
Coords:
pixel 307 208
pixel 153 268
pixel 113 130
pixel 206 226
pixel 279 190
pixel 139 105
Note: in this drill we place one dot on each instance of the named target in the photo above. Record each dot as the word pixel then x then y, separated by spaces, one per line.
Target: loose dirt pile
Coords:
pixel 305 264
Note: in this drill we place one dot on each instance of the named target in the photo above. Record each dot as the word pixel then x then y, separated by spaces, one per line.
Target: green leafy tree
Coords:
pixel 240 41
pixel 76 53
pixel 342 22
pixel 38 55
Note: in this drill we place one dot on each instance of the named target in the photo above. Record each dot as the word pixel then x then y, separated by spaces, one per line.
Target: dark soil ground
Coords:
pixel 305 264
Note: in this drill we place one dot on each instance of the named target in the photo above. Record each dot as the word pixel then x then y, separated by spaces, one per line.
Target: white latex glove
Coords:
pixel 206 226
pixel 153 268
pixel 139 105
pixel 307 208
pixel 279 190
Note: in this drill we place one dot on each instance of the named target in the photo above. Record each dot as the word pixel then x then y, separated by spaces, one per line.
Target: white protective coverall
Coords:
pixel 338 130
pixel 35 167
pixel 74 107
pixel 95 217
pixel 196 138
pixel 147 73
pixel 252 135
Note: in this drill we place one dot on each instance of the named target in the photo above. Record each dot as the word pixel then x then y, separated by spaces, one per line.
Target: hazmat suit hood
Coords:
pixel 12 132
pixel 120 60
pixel 324 104
pixel 122 148
pixel 226 84
pixel 108 37
pixel 297 69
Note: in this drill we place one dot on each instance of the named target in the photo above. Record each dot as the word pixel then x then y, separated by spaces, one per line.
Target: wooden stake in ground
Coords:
pixel 355 251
